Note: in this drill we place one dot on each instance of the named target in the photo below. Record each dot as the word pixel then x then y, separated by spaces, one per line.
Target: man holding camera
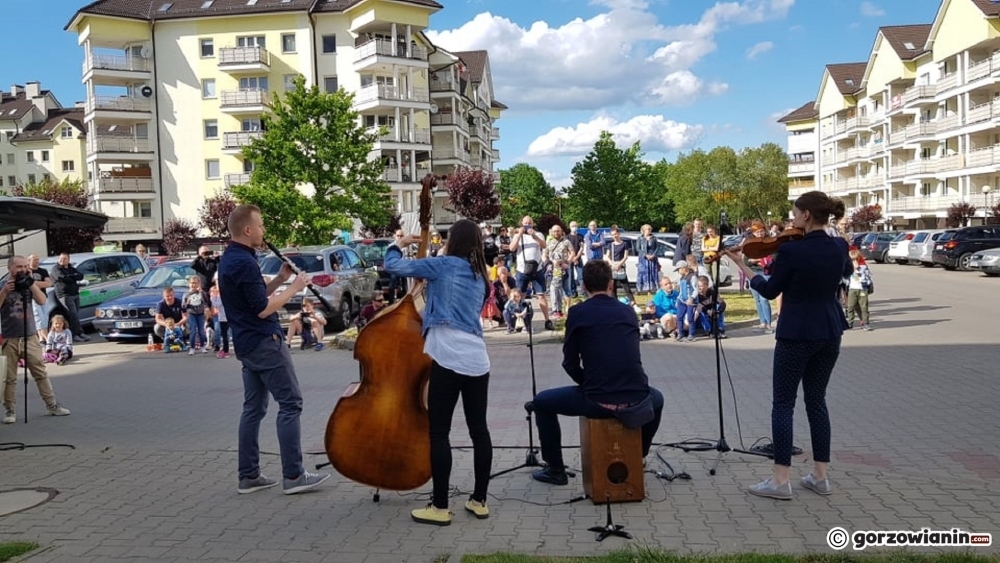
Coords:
pixel 18 324
pixel 67 283
pixel 527 245
pixel 205 265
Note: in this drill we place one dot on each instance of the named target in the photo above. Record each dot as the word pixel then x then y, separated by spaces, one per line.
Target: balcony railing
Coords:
pixel 450 119
pixel 495 133
pixel 384 47
pixel 801 167
pixel 231 180
pixel 119 103
pixel 948 123
pixel 125 185
pixel 455 153
pixel 245 98
pixel 986 156
pixel 115 62
pixel 118 144
pixel 418 135
pixel 856 122
pixel 980 113
pixel 949 163
pixel 897 170
pixel 922 203
pixel 239 56
pixel 239 139
pixel 390 92
pixel 131 225
pixel 923 129
pixel 914 93
pixel 921 166
pixel 978 70
pixel 947 82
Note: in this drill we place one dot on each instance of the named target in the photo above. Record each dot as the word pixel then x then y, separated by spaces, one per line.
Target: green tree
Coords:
pixel 609 185
pixel 68 192
pixel 524 191
pixel 313 140
pixel 763 182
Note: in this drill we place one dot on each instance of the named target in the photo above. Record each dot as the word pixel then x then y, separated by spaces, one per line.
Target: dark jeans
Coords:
pixel 707 324
pixel 267 368
pixel 511 319
pixel 570 401
pixel 442 396
pixel 628 289
pixel 72 305
pixel 811 363
pixel 221 335
pixel 685 313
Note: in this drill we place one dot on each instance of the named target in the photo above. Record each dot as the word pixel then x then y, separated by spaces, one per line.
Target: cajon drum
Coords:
pixel 612 461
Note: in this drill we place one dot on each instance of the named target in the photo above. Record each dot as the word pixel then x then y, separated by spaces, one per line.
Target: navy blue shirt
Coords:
pixel 603 334
pixel 244 296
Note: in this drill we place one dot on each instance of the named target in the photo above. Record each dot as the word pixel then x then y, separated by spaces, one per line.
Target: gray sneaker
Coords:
pixel 768 488
pixel 56 410
pixel 304 482
pixel 259 483
pixel 9 416
pixel 817 486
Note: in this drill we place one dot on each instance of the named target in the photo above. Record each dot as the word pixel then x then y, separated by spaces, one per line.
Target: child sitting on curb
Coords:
pixel 58 342
pixel 173 337
pixel 517 309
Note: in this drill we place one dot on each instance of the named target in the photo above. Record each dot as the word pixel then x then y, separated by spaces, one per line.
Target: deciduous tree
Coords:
pixel 609 185
pixel 865 218
pixel 178 234
pixel 524 191
pixel 70 193
pixel 471 194
pixel 384 230
pixel 214 214
pixel 959 214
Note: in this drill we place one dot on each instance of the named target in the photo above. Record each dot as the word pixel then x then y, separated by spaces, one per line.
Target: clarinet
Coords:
pixel 298 272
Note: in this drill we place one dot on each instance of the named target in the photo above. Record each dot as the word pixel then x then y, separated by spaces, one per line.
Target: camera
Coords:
pixel 23 282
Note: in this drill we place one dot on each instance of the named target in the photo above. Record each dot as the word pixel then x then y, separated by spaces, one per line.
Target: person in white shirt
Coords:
pixel 527 244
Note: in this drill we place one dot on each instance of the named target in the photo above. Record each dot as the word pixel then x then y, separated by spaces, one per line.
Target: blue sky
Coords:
pixel 673 74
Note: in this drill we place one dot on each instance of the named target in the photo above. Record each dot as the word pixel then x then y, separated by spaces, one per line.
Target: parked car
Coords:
pixel 132 316
pixel 987 262
pixel 875 246
pixel 342 277
pixel 106 275
pixel 956 250
pixel 922 247
pixel 372 251
pixel 665 256
pixel 856 239
pixel 899 247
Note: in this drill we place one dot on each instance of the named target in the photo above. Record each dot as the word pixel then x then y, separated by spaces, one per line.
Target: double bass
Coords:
pixel 378 433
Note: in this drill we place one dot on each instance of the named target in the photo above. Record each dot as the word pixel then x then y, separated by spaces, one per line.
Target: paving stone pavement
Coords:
pixel 152 475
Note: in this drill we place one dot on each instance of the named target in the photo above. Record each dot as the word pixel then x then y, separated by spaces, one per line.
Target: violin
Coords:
pixel 760 247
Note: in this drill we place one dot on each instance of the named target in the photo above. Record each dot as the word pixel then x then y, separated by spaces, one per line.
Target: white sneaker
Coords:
pixel 191 352
pixel 57 410
pixel 9 417
pixel 204 349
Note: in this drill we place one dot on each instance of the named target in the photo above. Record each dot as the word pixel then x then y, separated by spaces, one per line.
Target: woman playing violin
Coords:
pixel 808 272
pixel 457 287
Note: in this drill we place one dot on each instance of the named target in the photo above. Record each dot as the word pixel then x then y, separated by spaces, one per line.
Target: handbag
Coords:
pixel 619 274
pixel 530 267
pixel 871 288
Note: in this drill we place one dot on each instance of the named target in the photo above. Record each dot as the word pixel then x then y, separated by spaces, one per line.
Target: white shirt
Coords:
pixel 529 248
pixel 457 350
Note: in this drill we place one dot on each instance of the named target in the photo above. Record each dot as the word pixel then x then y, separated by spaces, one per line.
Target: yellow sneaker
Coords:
pixel 432 515
pixel 479 509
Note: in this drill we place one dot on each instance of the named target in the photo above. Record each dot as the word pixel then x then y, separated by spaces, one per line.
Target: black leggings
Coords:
pixel 811 363
pixel 442 396
pixel 628 289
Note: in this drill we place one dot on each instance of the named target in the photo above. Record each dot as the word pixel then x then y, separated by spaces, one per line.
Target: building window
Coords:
pixel 247 167
pixel 1 181
pixel 329 43
pixel 211 129
pixel 31 178
pixel 31 156
pixel 212 169
pixel 66 132
pixel 45 156
pixel 207 47
pixel 45 177
pixel 290 82
pixel 330 83
pixel 208 88
pixel 253 83
pixel 10 158
pixel 142 209
pixel 251 41
pixel 9 134
pixel 11 181
pixel 68 166
pixel 250 124
pixel 288 43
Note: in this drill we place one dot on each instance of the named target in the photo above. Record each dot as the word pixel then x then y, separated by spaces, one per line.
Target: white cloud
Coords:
pixel 655 134
pixel 556 179
pixel 759 49
pixel 870 10
pixel 621 55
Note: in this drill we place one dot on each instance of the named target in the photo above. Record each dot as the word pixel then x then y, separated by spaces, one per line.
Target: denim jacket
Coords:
pixel 455 296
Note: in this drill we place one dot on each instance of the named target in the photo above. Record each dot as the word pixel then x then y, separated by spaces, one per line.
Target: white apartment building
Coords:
pixel 176 89
pixel 802 148
pixel 916 128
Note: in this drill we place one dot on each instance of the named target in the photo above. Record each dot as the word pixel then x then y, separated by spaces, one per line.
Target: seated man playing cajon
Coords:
pixel 601 354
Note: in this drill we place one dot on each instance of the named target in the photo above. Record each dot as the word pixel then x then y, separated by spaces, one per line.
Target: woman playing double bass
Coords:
pixel 454 341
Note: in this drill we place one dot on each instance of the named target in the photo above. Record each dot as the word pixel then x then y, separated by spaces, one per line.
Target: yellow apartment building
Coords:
pixel 176 89
pixel 916 128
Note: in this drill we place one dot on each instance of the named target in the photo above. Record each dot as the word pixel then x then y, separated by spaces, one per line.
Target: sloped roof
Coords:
pixel 19 104
pixel 847 76
pixel 475 61
pixel 903 37
pixel 498 105
pixel 44 130
pixel 807 111
pixel 180 9
pixel 988 7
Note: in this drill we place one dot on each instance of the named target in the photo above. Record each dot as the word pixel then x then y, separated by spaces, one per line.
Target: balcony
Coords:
pixel 395 135
pixel 245 101
pixel 235 141
pixel 124 225
pixel 799 189
pixel 897 170
pixel 855 123
pixel 980 113
pixel 795 168
pixel 876 150
pixel 837 128
pixel 384 51
pixel 494 133
pixel 986 156
pixel 947 82
pixel 230 180
pixel 916 131
pixel 126 185
pixel 950 163
pixel 921 167
pixel 915 94
pixel 235 60
pixel 948 123
pixel 912 204
pixel 118 108
pixel 374 94
pixel 443 83
pixel 115 69
pixel 119 148
pixel 977 70
pixel 481 132
pixel 443 119
pixel 451 153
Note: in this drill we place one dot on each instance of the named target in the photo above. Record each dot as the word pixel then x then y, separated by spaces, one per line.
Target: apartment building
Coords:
pixel 39 138
pixel 916 128
pixel 176 89
pixel 802 147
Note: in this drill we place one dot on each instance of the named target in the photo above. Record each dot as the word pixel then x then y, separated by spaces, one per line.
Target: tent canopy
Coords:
pixel 27 213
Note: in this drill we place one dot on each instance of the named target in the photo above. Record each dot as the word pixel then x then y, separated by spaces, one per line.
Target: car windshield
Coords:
pixel 920 237
pixel 946 236
pixel 372 251
pixel 308 263
pixel 174 275
pixel 899 237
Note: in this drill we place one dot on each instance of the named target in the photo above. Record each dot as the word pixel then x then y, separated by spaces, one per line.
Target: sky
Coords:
pixel 675 75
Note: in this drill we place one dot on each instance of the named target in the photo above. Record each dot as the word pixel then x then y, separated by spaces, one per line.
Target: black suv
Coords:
pixel 955 250
pixel 875 246
pixel 372 251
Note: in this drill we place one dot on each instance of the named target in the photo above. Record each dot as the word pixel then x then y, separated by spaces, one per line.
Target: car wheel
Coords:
pixel 963 261
pixel 343 317
pixel 902 262
pixel 928 264
pixel 885 257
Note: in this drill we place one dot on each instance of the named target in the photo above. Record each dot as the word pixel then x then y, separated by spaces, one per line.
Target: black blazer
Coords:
pixel 807 273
